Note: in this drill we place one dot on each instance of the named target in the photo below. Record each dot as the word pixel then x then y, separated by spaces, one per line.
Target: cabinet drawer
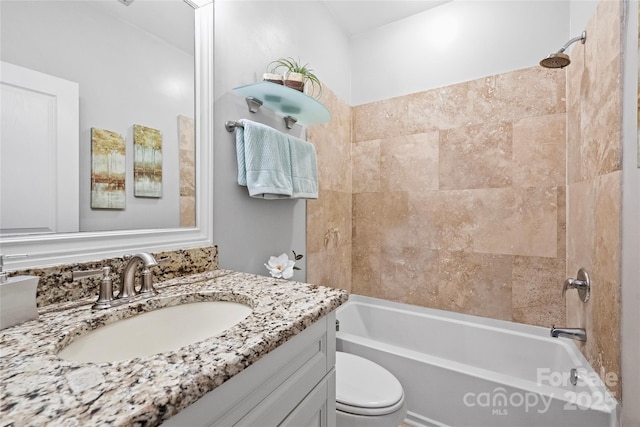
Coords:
pixel 315 410
pixel 270 388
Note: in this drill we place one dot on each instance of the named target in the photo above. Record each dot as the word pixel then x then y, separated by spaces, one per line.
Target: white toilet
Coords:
pixel 367 395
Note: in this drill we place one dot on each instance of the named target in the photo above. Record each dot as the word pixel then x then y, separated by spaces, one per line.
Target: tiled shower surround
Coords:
pixel 459 195
pixel 594 176
pixel 457 198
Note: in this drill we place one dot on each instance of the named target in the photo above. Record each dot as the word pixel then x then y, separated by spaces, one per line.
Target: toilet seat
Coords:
pixel 365 388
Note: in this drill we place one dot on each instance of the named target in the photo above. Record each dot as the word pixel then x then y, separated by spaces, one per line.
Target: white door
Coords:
pixel 39 157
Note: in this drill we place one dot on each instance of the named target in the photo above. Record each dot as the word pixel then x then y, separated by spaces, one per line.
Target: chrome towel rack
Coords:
pixel 231 125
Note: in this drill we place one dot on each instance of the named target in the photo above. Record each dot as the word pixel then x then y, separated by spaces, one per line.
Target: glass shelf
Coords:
pixel 287 101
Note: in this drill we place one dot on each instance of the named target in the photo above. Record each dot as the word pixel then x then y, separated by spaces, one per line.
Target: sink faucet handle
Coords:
pixel 163 261
pixel 83 274
pixel 105 296
pixel 147 289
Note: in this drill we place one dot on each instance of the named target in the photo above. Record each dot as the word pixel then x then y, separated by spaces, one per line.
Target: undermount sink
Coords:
pixel 154 332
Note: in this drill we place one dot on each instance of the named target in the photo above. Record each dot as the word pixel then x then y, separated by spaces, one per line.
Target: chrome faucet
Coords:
pixel 573 333
pixel 128 277
pixel 582 283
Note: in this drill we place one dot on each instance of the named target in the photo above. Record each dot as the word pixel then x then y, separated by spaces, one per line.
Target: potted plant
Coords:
pixel 296 75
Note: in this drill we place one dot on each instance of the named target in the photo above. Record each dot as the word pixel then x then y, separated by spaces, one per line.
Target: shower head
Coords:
pixel 560 59
pixel 556 60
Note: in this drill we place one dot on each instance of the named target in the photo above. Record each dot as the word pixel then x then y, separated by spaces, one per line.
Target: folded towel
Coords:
pixel 304 169
pixel 264 161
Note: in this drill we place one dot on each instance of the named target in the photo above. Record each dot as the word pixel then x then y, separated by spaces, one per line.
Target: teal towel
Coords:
pixel 264 161
pixel 304 169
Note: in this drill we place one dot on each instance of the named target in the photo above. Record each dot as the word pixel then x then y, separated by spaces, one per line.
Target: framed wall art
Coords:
pixel 147 162
pixel 107 170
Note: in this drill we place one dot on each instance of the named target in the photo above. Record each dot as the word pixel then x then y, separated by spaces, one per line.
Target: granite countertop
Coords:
pixel 38 388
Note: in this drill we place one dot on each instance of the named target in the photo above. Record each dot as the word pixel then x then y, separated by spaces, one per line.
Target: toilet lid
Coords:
pixel 364 387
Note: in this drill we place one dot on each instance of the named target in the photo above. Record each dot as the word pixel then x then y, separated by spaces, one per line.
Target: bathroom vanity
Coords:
pixel 275 367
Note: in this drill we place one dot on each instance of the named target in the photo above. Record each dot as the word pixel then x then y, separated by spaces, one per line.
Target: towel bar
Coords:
pixel 231 125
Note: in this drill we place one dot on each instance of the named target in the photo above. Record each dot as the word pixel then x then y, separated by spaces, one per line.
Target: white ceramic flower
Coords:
pixel 280 267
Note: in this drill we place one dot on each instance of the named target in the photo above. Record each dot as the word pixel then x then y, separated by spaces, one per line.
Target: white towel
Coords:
pixel 264 161
pixel 304 169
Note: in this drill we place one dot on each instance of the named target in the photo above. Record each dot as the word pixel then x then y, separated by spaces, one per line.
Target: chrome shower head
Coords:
pixel 560 59
pixel 556 60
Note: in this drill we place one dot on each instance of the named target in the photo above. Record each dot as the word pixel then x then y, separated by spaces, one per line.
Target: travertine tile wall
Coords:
pixel 329 217
pixel 187 151
pixel 482 197
pixel 594 163
pixel 458 197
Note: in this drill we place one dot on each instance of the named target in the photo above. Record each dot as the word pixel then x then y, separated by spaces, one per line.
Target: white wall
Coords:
pixel 455 42
pixel 249 35
pixel 126 77
pixel 630 223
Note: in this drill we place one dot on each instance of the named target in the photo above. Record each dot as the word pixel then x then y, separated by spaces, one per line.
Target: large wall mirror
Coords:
pixel 139 74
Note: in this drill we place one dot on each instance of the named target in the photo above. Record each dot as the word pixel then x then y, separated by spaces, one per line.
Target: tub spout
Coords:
pixel 573 333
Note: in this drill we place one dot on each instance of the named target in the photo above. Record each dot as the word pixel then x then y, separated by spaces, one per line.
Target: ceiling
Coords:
pixel 359 16
pixel 170 20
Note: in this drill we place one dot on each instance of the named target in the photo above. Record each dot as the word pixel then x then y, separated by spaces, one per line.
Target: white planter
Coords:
pixel 295 81
pixel 273 78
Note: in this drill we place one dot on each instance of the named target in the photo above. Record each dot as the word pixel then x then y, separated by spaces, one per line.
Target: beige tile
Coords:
pixel 574 166
pixel 409 163
pixel 187 173
pixel 186 133
pixel 366 263
pixel 332 141
pixel 329 221
pixel 604 348
pixel 473 283
pixel 379 120
pixel 477 156
pixel 516 221
pixel 562 223
pixel 367 219
pixel 601 115
pixel 536 291
pixel 581 226
pixel 366 166
pixel 539 151
pixel 394 229
pixel 409 275
pixel 331 268
pixel 442 220
pixel 533 91
pixel 608 227
pixel 442 108
pixel 607 32
pixel 187 211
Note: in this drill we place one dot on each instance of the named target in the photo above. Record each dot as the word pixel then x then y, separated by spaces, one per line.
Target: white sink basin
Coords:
pixel 157 331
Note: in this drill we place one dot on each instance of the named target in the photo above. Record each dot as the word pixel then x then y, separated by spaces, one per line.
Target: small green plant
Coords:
pixel 293 66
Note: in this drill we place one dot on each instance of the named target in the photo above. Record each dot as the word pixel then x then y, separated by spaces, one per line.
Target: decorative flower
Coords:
pixel 282 266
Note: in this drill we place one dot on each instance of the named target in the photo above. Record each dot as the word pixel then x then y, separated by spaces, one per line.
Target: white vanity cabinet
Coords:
pixel 293 385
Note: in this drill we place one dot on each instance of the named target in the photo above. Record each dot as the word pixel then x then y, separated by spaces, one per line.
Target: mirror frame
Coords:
pixel 64 248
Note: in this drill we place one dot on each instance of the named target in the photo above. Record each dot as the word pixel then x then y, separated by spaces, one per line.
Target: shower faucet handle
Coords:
pixel 582 283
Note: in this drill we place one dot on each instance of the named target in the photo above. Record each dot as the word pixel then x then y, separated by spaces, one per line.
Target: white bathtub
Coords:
pixel 460 370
